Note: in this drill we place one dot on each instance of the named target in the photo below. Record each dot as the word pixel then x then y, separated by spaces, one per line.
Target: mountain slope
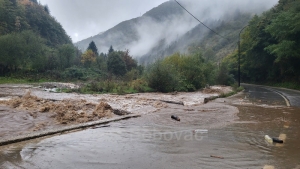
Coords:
pixel 31 40
pixel 126 34
pixel 168 28
pixel 20 15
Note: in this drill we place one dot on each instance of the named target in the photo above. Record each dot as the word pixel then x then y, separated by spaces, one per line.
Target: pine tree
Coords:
pixel 111 49
pixel 93 47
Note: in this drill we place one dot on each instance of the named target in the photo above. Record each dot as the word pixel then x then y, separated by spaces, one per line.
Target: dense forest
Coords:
pixel 31 39
pixel 34 46
pixel 270 46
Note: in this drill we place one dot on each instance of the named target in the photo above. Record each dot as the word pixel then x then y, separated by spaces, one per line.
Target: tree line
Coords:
pixel 270 46
pixel 31 40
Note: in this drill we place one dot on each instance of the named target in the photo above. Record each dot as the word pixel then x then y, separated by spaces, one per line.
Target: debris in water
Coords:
pixel 273 140
pixel 121 112
pixel 282 137
pixel 54 90
pixel 175 118
pixel 102 126
pixel 216 157
pixel 269 139
pixel 277 140
pixel 172 102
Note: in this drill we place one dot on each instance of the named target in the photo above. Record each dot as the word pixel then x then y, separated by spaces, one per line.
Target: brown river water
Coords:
pixel 208 136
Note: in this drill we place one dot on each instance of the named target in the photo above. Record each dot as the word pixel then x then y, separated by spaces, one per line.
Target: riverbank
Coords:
pixel 27 108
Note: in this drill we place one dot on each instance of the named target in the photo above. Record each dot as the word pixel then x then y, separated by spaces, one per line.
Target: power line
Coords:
pixel 200 21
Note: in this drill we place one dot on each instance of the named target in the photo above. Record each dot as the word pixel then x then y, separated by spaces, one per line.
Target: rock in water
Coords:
pixel 175 118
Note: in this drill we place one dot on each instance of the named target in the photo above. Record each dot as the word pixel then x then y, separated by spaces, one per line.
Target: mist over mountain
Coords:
pixel 168 28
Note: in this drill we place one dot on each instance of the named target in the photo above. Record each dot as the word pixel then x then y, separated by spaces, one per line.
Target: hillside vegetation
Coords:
pixel 212 46
pixel 34 46
pixel 31 40
pixel 167 29
pixel 270 51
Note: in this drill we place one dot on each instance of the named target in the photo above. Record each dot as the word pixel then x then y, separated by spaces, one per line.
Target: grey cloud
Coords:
pixel 151 31
pixel 90 17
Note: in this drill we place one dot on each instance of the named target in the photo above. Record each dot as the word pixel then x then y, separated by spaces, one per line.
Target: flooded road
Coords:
pixel 208 136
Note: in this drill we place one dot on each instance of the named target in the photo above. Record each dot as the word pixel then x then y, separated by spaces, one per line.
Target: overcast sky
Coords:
pixel 84 18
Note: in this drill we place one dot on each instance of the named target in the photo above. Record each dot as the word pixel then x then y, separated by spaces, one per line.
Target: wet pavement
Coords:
pixel 208 136
pixel 292 96
pixel 270 94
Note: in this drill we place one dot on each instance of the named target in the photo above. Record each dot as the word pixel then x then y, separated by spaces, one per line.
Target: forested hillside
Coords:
pixel 34 47
pixel 170 42
pixel 167 29
pixel 270 46
pixel 20 15
pixel 213 47
pixel 31 39
pixel 136 34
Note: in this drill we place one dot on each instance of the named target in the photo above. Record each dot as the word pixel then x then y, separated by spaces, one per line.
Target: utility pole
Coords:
pixel 239 67
pixel 239 53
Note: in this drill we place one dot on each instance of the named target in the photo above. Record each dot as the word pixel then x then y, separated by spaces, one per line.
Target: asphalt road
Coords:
pixel 273 95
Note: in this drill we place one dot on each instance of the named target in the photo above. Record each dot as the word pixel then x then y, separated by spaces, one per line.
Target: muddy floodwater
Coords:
pixel 226 133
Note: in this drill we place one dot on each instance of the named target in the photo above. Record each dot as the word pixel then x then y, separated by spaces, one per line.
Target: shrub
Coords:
pixel 162 77
pixel 223 77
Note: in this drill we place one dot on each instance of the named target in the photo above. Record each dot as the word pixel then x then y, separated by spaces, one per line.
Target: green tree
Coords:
pixel 194 73
pixel 101 62
pixel 223 77
pixel 129 61
pixel 269 45
pixel 285 28
pixel 88 57
pixel 22 51
pixel 162 77
pixel 66 55
pixel 111 49
pixel 116 64
pixel 47 10
pixel 40 21
pixel 92 46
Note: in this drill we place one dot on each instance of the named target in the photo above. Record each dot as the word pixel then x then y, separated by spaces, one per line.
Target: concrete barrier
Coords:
pixel 63 129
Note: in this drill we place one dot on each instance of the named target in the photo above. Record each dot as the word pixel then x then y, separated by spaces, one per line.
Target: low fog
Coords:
pixel 83 19
pixel 151 31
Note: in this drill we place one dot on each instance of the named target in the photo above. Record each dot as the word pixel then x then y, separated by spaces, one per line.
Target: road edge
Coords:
pixel 44 133
pixel 288 104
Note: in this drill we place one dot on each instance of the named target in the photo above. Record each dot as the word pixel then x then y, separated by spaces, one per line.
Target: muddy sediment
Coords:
pixel 29 113
pixel 28 108
pixel 65 111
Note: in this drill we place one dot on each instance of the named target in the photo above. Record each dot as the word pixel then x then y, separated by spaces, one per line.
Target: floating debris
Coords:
pixel 269 139
pixel 217 157
pixel 175 118
pixel 277 140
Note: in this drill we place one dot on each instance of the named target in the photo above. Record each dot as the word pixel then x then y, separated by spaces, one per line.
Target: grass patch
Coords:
pixel 288 85
pixel 11 80
pixel 113 87
pixel 235 88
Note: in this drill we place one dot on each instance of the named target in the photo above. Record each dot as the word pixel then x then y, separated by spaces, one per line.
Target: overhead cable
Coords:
pixel 200 21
